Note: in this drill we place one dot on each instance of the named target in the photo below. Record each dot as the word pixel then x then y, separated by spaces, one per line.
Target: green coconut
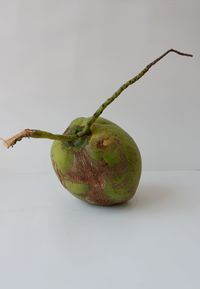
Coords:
pixel 95 159
pixel 101 168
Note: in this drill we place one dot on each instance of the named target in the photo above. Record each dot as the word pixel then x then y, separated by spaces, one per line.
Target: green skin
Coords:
pixel 102 168
pixel 95 159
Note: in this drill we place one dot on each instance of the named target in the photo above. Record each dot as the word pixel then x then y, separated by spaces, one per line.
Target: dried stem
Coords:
pixel 33 133
pixel 100 110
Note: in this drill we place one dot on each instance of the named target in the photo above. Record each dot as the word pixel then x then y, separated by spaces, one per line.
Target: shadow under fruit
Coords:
pixel 95 159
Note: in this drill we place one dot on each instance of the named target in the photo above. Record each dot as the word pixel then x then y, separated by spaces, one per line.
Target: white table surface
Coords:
pixel 51 240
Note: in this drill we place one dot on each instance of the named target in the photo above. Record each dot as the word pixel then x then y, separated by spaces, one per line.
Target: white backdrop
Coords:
pixel 62 59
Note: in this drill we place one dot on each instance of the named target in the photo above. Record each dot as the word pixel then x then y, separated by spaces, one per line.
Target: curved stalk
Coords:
pixel 33 133
pixel 100 110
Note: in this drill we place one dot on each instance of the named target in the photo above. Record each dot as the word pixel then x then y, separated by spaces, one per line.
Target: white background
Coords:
pixel 60 60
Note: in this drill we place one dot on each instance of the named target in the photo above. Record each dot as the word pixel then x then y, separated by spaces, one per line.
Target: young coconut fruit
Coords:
pixel 95 159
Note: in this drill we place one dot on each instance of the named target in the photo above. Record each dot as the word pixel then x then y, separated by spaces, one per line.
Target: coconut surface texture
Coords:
pixel 102 168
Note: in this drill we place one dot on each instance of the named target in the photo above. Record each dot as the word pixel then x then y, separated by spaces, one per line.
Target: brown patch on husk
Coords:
pixel 94 174
pixel 105 142
pixel 85 170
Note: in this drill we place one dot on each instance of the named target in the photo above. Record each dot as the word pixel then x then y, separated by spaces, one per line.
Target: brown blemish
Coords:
pixel 94 174
pixel 87 171
pixel 104 143
pixel 107 142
